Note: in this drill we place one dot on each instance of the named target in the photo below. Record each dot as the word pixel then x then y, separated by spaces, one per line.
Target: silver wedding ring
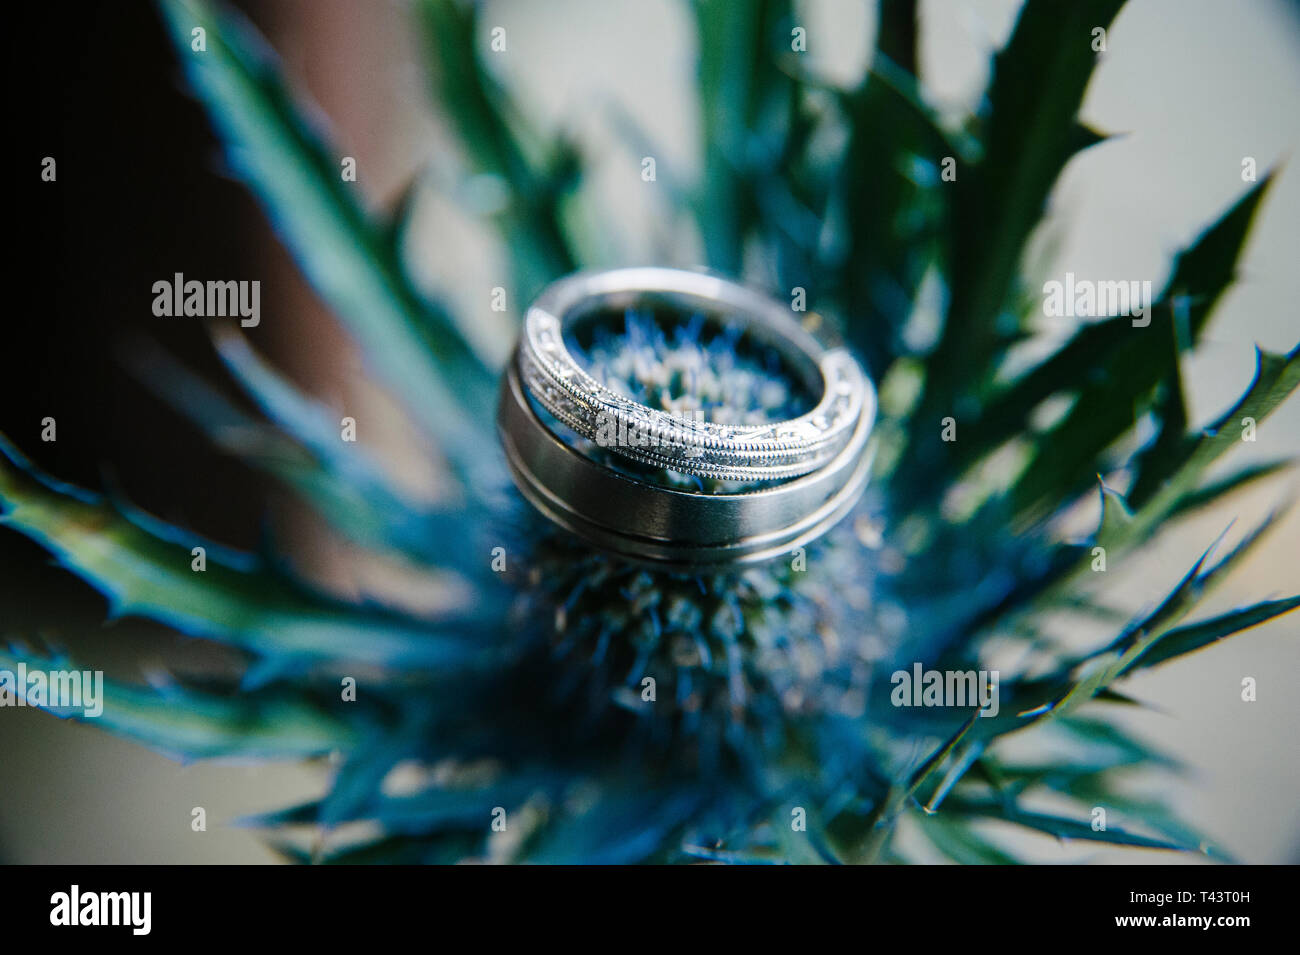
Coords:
pixel 809 470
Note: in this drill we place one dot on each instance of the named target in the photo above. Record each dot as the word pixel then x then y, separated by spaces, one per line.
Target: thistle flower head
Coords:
pixel 731 654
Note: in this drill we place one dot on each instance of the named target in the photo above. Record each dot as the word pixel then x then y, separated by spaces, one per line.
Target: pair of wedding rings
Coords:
pixel 801 475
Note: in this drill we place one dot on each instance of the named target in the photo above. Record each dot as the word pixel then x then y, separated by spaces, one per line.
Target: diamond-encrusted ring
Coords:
pixel 712 449
pixel 802 475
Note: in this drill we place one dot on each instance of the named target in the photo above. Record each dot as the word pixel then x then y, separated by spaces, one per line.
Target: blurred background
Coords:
pixel 1196 85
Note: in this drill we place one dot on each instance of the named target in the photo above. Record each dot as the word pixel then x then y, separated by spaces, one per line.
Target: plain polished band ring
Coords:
pixel 649 522
pixel 656 524
pixel 719 450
